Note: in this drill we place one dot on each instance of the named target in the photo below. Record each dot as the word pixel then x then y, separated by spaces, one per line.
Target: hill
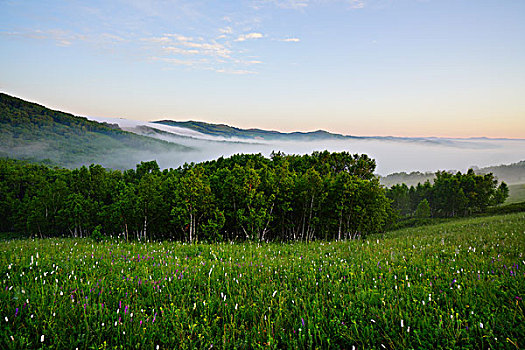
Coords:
pixel 36 133
pixel 512 173
pixel 226 131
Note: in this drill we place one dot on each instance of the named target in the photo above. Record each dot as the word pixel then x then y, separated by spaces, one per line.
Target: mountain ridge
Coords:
pixel 228 131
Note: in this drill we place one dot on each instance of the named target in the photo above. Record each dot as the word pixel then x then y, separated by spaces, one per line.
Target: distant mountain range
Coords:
pixel 230 132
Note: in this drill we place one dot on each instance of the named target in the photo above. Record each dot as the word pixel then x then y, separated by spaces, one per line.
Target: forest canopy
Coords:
pixel 244 197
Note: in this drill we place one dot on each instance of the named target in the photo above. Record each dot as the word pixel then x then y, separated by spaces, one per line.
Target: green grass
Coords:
pixel 454 285
pixel 516 194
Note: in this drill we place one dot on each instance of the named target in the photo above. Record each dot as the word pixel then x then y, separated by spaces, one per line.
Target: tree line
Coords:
pixel 450 195
pixel 243 197
pixel 285 197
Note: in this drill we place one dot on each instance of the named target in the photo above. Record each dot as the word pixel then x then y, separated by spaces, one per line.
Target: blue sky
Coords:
pixel 360 67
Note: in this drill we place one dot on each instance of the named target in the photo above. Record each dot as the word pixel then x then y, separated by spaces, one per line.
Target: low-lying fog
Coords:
pixel 391 154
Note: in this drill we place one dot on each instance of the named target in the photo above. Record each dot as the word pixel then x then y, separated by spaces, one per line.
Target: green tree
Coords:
pixel 501 194
pixel 194 210
pixel 423 210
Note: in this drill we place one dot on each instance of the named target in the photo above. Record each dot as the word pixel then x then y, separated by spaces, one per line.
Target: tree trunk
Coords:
pixel 310 216
pixel 267 223
pixel 144 231
pixel 340 225
pixel 191 228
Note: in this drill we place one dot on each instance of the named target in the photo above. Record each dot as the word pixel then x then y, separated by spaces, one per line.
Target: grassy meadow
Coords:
pixel 453 285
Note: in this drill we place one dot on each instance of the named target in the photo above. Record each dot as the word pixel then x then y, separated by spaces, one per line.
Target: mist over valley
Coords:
pixel 392 154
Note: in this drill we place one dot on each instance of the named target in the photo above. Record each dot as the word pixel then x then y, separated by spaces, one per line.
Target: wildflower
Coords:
pixel 402 325
pixel 42 338
pixel 481 325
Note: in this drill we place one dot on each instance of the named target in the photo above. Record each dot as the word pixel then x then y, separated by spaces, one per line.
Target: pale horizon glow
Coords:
pixel 406 68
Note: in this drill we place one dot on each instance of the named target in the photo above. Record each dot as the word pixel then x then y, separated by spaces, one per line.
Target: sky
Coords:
pixel 446 68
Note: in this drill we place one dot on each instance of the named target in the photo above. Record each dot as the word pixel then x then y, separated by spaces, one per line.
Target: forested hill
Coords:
pixel 510 173
pixel 33 132
pixel 227 131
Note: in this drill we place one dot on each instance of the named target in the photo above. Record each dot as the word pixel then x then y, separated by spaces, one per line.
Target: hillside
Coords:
pixel 512 173
pixel 33 132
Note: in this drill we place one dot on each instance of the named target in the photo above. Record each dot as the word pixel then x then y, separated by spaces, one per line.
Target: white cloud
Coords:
pixel 249 36
pixel 302 4
pixel 290 40
pixel 285 4
pixel 209 49
pixel 227 30
pixel 235 71
pixel 179 37
pixel 159 40
pixel 356 4
pixel 179 51
pixel 112 37
pixel 177 44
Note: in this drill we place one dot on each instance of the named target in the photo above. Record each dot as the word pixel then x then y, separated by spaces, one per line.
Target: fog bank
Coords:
pixel 391 154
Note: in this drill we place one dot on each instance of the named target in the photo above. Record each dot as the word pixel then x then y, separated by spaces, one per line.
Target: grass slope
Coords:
pixel 455 285
pixel 33 132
